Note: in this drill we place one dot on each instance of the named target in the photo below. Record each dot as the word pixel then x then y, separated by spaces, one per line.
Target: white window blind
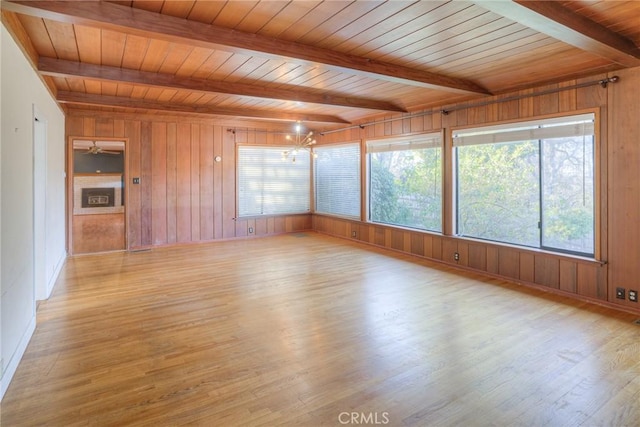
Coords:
pixel 433 140
pixel 562 127
pixel 267 185
pixel 337 180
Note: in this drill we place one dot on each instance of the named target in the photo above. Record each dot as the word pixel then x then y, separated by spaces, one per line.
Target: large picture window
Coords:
pixel 337 180
pixel 268 185
pixel 405 182
pixel 529 184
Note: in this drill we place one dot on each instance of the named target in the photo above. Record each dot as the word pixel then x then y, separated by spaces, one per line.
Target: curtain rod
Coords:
pixel 445 111
pixel 268 132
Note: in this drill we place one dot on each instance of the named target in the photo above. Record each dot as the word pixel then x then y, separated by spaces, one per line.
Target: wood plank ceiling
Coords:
pixel 325 62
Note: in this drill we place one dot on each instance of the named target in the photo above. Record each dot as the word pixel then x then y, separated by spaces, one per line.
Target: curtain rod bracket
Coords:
pixel 605 82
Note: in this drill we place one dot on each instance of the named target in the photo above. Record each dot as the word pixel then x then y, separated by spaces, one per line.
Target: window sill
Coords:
pixel 242 218
pixel 534 251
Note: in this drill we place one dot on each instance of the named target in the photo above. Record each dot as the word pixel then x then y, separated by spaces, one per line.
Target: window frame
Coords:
pixel 597 179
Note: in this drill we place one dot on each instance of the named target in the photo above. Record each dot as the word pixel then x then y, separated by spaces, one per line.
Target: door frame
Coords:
pixel 70 179
pixel 40 171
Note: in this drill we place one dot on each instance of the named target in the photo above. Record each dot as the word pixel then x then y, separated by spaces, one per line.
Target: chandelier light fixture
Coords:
pixel 300 142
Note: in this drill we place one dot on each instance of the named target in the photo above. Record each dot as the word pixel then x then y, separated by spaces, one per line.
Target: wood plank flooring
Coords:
pixel 310 330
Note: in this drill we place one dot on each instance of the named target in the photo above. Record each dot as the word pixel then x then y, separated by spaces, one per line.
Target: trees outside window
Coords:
pixel 529 184
pixel 498 192
pixel 405 182
pixel 568 205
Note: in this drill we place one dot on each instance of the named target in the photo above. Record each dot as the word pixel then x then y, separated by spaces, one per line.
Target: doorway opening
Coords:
pixel 97 198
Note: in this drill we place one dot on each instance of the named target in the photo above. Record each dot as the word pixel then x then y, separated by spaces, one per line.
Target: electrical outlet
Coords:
pixel 353 234
pixel 456 256
pixel 633 295
pixel 250 230
pixel 620 293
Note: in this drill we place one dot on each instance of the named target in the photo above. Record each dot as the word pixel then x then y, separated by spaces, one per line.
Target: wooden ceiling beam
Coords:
pixel 71 69
pixel 66 97
pixel 164 27
pixel 554 20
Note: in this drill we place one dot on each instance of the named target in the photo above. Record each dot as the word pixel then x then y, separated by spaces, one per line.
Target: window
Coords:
pixel 529 184
pixel 337 180
pixel 405 182
pixel 267 185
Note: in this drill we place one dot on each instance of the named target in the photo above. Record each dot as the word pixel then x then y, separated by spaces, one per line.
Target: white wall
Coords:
pixel 22 91
pixel 1 353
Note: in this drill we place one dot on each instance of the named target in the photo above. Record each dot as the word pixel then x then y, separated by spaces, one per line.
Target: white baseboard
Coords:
pixel 17 357
pixel 52 280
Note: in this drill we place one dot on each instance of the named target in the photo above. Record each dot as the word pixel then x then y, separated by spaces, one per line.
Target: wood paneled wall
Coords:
pixel 184 195
pixel 565 274
pixel 618 189
pixel 624 184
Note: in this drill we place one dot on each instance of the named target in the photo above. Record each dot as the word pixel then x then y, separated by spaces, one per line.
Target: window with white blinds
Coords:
pixel 268 185
pixel 337 180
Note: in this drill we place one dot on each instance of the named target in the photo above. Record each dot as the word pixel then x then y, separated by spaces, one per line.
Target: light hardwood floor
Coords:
pixel 300 329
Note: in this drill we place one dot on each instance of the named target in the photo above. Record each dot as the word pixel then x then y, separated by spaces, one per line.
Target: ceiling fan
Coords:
pixel 95 149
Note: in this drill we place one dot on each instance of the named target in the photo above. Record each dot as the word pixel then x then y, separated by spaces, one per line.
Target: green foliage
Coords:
pixel 499 194
pixel 568 224
pixel 405 188
pixel 383 195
